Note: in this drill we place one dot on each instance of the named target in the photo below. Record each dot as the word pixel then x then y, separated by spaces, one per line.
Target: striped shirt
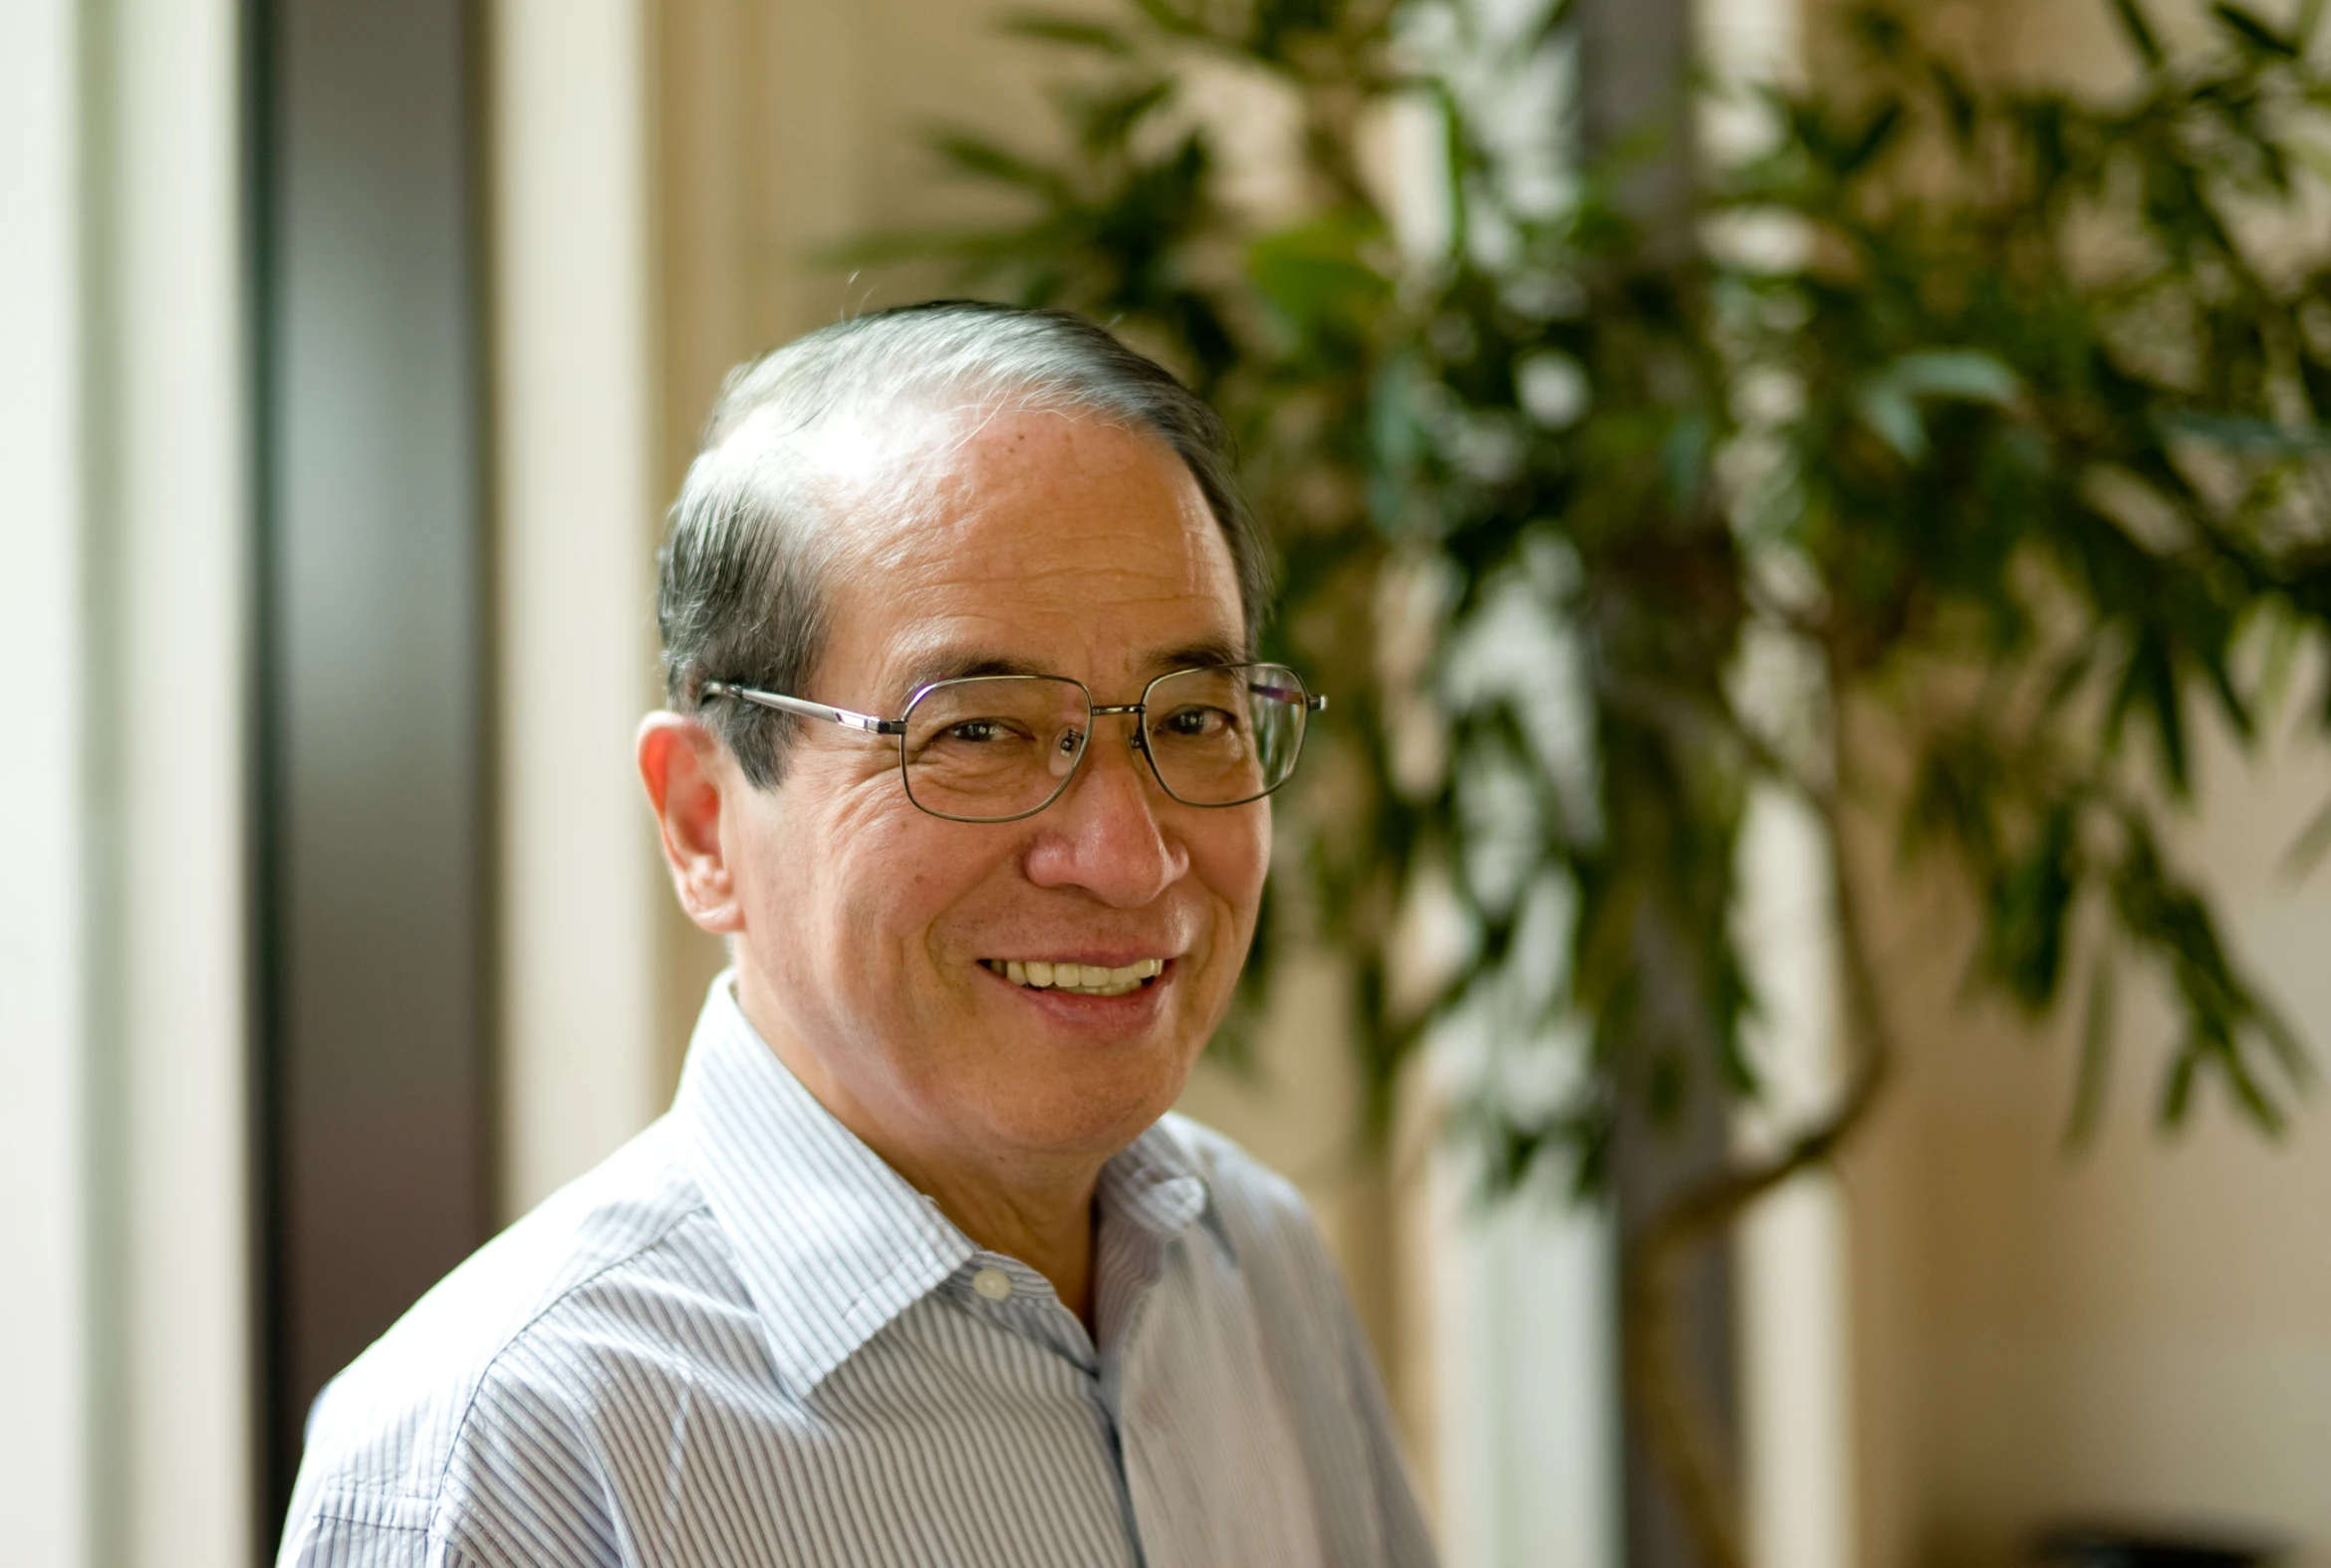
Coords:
pixel 745 1338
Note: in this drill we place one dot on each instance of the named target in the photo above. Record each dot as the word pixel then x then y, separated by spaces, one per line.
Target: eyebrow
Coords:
pixel 966 663
pixel 963 664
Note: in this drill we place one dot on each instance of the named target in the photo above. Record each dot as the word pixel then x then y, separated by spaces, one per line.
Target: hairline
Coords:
pixel 760 497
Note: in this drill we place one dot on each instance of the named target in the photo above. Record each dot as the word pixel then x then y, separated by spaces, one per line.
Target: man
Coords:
pixel 967 757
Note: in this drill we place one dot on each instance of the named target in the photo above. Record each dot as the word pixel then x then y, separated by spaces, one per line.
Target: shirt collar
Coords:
pixel 1154 1186
pixel 830 1242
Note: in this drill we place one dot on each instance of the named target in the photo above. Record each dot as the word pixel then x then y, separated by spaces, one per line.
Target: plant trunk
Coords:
pixel 1653 1369
pixel 1652 1163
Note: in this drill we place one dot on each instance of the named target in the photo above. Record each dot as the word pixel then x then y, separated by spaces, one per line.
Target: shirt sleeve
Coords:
pixel 353 1530
pixel 1408 1542
pixel 508 1483
pixel 350 1530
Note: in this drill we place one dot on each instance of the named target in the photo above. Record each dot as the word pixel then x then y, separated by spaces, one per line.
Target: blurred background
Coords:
pixel 350 351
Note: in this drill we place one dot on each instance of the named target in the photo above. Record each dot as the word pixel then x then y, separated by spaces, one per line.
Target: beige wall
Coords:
pixel 2143 1330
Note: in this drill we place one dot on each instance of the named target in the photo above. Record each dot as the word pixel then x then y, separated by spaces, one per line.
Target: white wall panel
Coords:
pixel 124 529
pixel 44 1349
pixel 573 414
pixel 180 601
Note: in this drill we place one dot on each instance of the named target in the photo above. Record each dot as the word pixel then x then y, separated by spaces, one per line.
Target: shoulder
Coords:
pixel 1262 1215
pixel 1233 1175
pixel 522 1348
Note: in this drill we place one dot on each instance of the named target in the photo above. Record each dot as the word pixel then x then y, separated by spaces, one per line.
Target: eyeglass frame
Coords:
pixel 803 707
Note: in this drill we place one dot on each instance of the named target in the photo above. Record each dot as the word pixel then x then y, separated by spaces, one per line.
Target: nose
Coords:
pixel 1103 836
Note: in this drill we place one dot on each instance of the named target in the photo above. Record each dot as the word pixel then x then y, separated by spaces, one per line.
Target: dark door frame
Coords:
pixel 372 828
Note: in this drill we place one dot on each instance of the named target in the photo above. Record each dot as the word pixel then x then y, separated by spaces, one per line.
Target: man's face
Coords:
pixel 872 932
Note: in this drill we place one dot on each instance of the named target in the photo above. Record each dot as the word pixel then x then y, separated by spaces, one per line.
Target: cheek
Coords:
pixel 814 848
pixel 878 879
pixel 1232 858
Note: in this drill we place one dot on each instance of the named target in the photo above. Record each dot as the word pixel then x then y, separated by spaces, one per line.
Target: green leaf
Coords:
pixel 1959 102
pixel 1169 20
pixel 1888 411
pixel 2284 1042
pixel 2314 156
pixel 1071 32
pixel 1965 374
pixel 2096 1052
pixel 1887 402
pixel 1318 276
pixel 1110 119
pixel 2313 843
pixel 2249 434
pixel 2176 1093
pixel 2153 668
pixel 1557 18
pixel 2248 1093
pixel 2139 33
pixel 1684 459
pixel 2250 31
pixel 979 156
pixel 1873 141
pixel 2026 935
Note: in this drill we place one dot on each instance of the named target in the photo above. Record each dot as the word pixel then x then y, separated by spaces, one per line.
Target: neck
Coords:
pixel 1036 1207
pixel 1046 1225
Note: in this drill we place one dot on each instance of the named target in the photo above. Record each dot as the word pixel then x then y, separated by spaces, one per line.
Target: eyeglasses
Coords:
pixel 996 749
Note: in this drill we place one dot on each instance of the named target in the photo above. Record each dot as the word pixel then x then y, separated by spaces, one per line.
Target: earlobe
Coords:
pixel 679 764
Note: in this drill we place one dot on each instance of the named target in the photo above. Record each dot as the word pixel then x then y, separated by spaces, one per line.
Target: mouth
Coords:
pixel 1075 978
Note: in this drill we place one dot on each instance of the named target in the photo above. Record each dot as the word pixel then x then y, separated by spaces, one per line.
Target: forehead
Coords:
pixel 1024 540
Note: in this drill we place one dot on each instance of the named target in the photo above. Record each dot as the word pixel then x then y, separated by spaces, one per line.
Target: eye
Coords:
pixel 979 730
pixel 1196 723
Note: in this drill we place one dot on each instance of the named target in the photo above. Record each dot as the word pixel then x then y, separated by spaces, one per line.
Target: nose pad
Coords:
pixel 1069 751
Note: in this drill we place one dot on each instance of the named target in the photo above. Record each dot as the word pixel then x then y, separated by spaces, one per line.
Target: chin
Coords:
pixel 1098 1119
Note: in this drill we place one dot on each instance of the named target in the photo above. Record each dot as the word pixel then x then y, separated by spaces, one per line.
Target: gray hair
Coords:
pixel 739 600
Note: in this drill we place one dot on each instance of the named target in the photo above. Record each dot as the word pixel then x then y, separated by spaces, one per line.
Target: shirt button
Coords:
pixel 992 1283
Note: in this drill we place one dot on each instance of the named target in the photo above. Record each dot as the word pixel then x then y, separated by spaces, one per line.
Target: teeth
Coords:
pixel 1082 980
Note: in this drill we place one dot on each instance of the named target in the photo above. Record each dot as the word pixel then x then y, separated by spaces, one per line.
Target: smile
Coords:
pixel 1077 980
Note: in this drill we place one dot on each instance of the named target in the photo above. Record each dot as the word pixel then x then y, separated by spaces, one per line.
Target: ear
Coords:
pixel 687 784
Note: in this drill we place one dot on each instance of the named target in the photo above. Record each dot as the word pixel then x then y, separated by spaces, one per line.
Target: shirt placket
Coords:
pixel 1015 1298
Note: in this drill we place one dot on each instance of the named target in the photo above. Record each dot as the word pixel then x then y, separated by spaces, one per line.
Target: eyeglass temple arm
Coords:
pixel 805 708
pixel 1311 704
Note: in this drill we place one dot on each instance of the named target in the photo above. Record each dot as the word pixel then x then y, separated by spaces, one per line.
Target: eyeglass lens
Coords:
pixel 1000 746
